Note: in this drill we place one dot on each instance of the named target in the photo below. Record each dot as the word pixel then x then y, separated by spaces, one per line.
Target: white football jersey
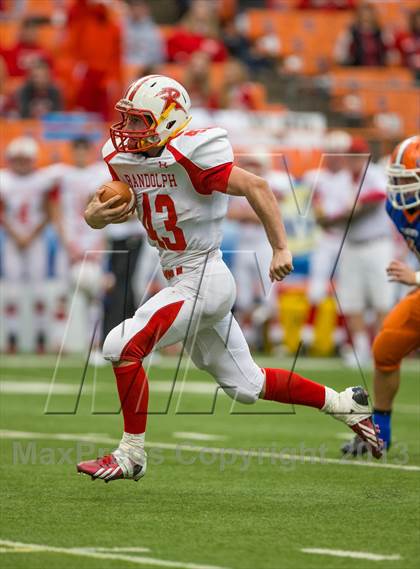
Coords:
pixel 375 224
pixel 75 187
pixel 181 194
pixel 23 198
pixel 332 191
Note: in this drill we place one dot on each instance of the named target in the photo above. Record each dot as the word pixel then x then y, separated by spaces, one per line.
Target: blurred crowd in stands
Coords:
pixel 96 45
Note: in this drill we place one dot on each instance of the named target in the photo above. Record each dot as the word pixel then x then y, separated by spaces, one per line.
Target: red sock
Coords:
pixel 310 318
pixel 133 390
pixel 288 387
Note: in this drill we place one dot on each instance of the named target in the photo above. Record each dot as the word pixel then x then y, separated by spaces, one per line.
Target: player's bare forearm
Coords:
pixel 263 201
pixel 244 216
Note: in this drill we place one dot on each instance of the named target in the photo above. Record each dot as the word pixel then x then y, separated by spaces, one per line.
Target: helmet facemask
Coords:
pixel 403 187
pixel 140 138
pixel 154 110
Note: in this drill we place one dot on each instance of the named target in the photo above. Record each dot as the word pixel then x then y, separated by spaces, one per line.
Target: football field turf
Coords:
pixel 247 487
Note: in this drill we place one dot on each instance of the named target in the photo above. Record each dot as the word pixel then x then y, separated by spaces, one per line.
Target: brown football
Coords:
pixel 117 188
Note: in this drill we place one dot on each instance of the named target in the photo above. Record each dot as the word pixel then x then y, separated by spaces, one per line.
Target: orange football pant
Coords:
pixel 400 333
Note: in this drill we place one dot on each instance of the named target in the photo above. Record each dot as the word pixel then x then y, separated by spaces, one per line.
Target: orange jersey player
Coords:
pixel 182 179
pixel 400 333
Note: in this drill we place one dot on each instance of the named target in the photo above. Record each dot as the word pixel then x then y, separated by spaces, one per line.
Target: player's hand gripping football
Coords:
pixel 99 214
pixel 401 273
pixel 281 264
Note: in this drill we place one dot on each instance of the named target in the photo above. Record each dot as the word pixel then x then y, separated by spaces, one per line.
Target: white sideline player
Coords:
pixel 332 197
pixel 181 179
pixel 255 302
pixel 369 247
pixel 27 200
pixel 83 247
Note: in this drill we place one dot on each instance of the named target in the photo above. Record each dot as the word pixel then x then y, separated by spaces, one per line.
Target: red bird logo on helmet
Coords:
pixel 170 95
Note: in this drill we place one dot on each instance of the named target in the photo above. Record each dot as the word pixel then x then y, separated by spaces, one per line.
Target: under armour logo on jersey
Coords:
pixel 171 96
pixel 163 164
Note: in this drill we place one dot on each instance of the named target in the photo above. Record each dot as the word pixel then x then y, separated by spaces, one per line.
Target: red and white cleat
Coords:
pixel 351 406
pixel 113 466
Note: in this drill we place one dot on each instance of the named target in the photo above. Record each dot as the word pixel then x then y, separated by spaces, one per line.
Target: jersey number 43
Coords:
pixel 163 203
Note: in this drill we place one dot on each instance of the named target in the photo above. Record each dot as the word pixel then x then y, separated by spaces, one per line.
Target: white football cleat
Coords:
pixel 351 406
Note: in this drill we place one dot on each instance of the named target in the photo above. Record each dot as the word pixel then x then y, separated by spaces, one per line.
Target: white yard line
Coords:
pixel 39 362
pixel 197 436
pixel 409 408
pixel 12 385
pixel 42 386
pixel 117 549
pixel 352 554
pixel 190 387
pixel 87 437
pixel 212 450
pixel 97 554
pixel 317 364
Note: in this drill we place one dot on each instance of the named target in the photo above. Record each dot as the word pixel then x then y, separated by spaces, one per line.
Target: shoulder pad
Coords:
pixel 206 147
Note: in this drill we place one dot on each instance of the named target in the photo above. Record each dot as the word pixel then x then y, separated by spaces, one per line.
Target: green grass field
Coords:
pixel 283 488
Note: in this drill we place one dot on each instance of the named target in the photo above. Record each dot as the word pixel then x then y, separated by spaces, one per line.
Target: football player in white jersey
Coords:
pixel 181 179
pixel 83 247
pixel 368 247
pixel 255 303
pixel 332 197
pixel 27 201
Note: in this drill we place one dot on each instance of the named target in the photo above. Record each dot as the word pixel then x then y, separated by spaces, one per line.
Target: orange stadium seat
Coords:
pixel 259 96
pixel 347 79
pixel 8 33
pixel 44 7
pixel 174 70
pixel 177 71
pixel 295 160
pixel 50 150
pixel 402 102
pixel 48 37
pixel 298 160
pixel 11 129
pixel 310 34
pixel 393 14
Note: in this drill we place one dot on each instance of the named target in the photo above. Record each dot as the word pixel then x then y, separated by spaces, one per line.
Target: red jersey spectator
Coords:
pixel 198 32
pixel 407 43
pixel 363 43
pixel 93 43
pixel 26 51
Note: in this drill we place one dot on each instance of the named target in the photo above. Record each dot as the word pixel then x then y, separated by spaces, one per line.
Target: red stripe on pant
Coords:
pixel 286 386
pixel 132 384
pixel 144 341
